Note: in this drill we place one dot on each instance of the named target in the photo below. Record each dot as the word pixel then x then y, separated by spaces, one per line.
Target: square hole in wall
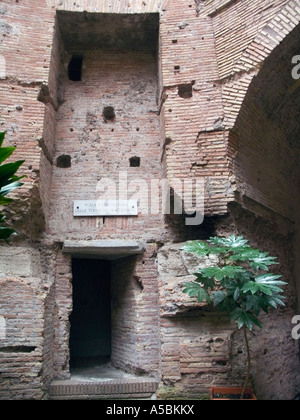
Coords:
pixel 185 91
pixel 63 161
pixel 135 162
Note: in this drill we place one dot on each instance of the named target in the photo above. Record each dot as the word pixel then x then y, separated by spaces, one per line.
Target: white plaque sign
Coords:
pixel 105 208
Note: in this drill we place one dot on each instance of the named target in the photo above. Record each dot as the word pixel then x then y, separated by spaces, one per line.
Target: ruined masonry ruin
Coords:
pixel 114 99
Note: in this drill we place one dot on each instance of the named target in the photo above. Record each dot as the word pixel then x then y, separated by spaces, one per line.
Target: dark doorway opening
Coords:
pixel 90 333
pixel 75 68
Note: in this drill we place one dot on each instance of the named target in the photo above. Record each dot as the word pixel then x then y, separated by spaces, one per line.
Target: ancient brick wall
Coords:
pixel 21 348
pixel 203 107
pixel 135 317
pixel 195 141
pixel 101 150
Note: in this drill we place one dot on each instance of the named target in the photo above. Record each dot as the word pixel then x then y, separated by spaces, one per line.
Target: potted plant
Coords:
pixel 239 284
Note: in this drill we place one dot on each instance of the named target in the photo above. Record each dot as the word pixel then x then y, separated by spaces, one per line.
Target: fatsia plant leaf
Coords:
pixel 195 289
pixel 265 283
pixel 4 200
pixel 250 286
pixel 8 170
pixel 2 135
pixel 229 271
pixel 8 182
pixel 5 153
pixel 200 248
pixel 276 300
pixel 269 279
pixel 245 255
pixel 6 232
pixel 239 282
pixel 244 317
pixel 218 297
pixel 262 262
pixel 6 189
pixel 230 242
pixel 207 283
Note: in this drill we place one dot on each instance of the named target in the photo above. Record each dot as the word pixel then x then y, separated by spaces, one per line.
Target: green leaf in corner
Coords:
pixel 207 283
pixel 275 300
pixel 250 286
pixel 245 255
pixel 2 135
pixel 200 248
pixel 4 200
pixel 231 242
pixel 8 170
pixel 218 297
pixel 229 271
pixel 262 262
pixel 243 317
pixel 5 153
pixel 269 279
pixel 195 290
pixel 10 187
pixel 6 232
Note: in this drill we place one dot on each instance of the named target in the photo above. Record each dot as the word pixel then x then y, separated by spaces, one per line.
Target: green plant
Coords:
pixel 8 182
pixel 240 283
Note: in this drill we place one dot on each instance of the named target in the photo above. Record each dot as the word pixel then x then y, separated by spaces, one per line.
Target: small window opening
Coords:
pixel 75 68
pixel 176 69
pixel 135 162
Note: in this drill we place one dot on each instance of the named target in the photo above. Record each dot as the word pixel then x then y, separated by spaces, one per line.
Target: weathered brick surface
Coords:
pixel 21 347
pixel 135 319
pixel 219 103
pixel 196 139
pixel 101 149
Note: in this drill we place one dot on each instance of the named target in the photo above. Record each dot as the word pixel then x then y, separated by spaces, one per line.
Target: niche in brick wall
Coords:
pixel 106 124
pixel 185 90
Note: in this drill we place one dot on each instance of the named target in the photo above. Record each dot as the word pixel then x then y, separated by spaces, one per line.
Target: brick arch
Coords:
pixel 271 35
pixel 263 144
pixel 247 66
